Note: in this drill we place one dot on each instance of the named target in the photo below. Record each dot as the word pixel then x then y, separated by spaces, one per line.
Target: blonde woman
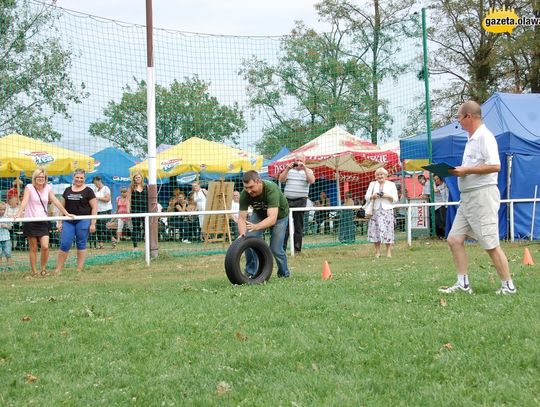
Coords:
pixel 137 203
pixel 383 194
pixel 34 204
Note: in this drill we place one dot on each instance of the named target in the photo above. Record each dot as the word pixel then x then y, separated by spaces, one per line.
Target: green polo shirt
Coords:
pixel 271 197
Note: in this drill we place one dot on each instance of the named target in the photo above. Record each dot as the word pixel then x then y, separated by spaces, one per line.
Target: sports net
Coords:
pixel 263 96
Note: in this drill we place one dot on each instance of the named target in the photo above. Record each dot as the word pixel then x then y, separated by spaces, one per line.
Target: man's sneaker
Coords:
pixel 505 290
pixel 456 288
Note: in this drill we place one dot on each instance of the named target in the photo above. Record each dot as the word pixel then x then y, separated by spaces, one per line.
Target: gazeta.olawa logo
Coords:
pixel 504 21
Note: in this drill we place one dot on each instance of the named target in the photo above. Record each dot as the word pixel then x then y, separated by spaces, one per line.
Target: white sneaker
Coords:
pixel 456 288
pixel 185 241
pixel 505 290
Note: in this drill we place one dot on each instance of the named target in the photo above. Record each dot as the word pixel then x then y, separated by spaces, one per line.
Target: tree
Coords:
pixel 474 63
pixel 377 28
pixel 34 71
pixel 521 51
pixel 183 110
pixel 315 85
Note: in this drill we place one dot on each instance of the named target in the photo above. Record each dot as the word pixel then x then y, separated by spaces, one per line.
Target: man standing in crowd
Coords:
pixel 270 211
pixel 298 178
pixel 426 193
pixel 440 195
pixel 477 216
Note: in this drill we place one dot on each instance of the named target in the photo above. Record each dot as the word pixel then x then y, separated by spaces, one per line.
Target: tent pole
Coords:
pixel 337 187
pixel 533 212
pixel 509 217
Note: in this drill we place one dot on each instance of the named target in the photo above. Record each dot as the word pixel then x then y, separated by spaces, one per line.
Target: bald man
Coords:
pixel 478 213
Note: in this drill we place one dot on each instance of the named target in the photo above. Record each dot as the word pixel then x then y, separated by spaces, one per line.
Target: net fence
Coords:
pixel 255 98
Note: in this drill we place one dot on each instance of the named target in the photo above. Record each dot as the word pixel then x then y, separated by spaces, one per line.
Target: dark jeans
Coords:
pixel 102 233
pixel 233 226
pixel 440 222
pixel 182 226
pixel 320 218
pixel 298 221
pixel 138 231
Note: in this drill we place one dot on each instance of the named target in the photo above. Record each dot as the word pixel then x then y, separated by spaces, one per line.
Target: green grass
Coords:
pixel 378 334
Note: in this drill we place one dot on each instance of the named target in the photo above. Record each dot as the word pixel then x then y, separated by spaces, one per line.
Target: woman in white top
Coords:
pixel 104 207
pixel 199 196
pixel 383 194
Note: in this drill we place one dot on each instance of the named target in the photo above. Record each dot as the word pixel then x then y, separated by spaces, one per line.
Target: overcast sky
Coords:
pixel 228 17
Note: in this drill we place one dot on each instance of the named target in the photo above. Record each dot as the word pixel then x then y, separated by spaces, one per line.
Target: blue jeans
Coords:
pixel 77 229
pixel 277 237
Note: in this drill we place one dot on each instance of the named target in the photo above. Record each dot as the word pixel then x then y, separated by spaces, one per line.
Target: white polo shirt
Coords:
pixel 481 148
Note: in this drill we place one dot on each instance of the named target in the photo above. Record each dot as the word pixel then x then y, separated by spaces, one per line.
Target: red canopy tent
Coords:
pixel 339 155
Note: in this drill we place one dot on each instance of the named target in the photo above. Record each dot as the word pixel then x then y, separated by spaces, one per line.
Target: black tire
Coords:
pixel 234 271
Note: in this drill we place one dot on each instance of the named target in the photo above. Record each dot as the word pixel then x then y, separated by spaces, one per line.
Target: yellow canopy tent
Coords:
pixel 198 155
pixel 24 154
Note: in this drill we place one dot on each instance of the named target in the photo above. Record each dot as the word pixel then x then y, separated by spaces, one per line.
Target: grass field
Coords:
pixel 377 334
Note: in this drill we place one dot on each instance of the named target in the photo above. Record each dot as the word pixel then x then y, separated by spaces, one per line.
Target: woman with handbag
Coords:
pixel 34 204
pixel 380 197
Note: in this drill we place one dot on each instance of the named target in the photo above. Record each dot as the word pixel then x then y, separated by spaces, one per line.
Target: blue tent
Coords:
pixel 112 165
pixel 514 119
pixel 281 153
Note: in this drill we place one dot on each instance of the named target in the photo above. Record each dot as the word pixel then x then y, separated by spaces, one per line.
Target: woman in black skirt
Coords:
pixel 138 203
pixel 34 205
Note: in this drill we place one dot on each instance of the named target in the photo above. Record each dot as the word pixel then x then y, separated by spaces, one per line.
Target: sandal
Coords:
pixel 43 273
pixel 114 243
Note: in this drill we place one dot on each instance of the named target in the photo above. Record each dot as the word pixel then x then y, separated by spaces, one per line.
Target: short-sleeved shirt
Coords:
pixel 297 185
pixel 271 197
pixel 481 148
pixel 78 203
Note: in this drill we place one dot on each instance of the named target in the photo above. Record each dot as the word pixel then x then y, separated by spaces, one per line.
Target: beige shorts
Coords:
pixel 478 216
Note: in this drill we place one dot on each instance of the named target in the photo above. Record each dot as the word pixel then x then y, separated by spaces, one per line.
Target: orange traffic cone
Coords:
pixel 527 258
pixel 326 273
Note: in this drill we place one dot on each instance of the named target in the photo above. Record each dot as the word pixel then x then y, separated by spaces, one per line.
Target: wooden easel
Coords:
pixel 219 197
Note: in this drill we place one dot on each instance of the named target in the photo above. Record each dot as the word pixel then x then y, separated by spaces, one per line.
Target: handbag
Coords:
pixel 112 224
pixel 368 209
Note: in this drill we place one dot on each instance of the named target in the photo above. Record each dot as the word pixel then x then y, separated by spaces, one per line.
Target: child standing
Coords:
pixel 122 207
pixel 5 238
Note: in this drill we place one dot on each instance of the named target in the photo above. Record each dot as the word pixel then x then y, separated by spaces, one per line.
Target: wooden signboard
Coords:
pixel 216 227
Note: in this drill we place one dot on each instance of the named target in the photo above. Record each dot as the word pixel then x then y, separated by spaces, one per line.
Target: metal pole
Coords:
pixel 428 116
pixel 151 129
pixel 533 212
pixel 508 191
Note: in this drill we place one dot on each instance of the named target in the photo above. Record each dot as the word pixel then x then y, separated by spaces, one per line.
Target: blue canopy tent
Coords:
pixel 514 119
pixel 280 154
pixel 112 165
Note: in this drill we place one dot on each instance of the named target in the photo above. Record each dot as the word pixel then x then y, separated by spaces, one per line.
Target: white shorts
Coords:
pixel 478 216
